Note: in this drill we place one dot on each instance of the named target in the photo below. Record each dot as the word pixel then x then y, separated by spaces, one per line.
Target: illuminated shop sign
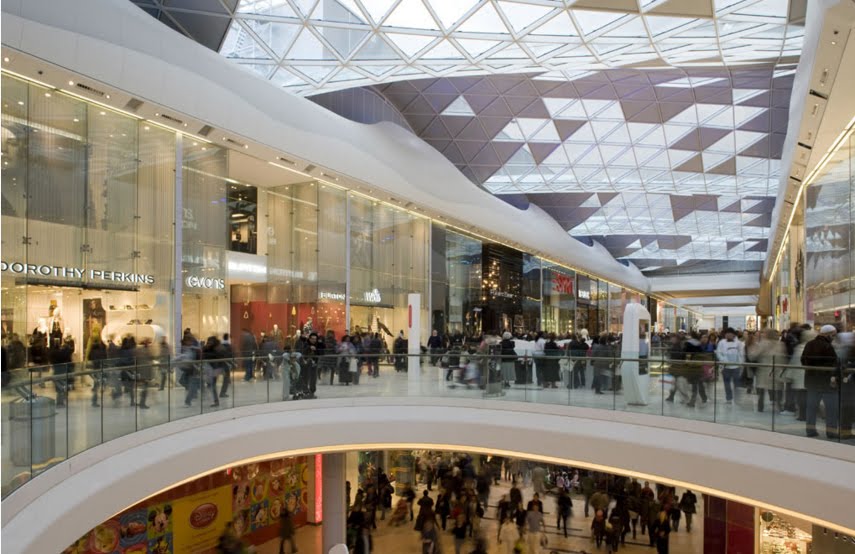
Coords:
pixel 40 270
pixel 562 284
pixel 194 282
pixel 372 296
pixel 496 293
pixel 585 294
pixel 337 296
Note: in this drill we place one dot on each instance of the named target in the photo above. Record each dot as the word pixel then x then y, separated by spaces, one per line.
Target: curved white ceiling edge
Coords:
pixel 731 462
pixel 118 44
pixel 815 19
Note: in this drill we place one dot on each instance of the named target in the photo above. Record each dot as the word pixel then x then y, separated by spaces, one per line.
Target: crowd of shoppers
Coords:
pixel 801 372
pixel 459 503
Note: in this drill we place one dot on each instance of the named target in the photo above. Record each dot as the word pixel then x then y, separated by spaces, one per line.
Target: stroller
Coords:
pixel 401 514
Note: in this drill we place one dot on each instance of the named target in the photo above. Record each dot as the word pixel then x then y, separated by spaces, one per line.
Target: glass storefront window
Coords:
pixel 829 227
pixel 463 268
pixel 531 296
pixel 559 299
pixel 388 260
pixel 243 218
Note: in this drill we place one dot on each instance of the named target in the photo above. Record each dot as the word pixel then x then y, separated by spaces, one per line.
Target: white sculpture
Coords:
pixel 635 345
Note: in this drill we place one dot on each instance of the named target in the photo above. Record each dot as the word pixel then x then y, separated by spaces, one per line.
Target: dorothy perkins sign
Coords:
pixel 76 273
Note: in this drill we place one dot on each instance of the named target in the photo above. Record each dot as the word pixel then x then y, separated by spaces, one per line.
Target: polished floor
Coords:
pixel 80 425
pixel 404 539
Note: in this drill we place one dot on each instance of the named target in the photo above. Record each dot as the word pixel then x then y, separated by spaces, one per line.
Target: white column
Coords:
pixel 414 334
pixel 334 501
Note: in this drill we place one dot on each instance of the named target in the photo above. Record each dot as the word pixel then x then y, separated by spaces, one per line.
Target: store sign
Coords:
pixel 496 293
pixel 562 284
pixel 372 296
pixel 584 294
pixel 77 273
pixel 337 296
pixel 194 282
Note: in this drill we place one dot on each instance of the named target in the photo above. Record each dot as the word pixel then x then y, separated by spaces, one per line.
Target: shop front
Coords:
pixel 87 237
pixel 559 299
pixel 100 235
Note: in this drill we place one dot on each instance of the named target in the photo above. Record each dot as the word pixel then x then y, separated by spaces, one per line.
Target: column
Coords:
pixel 334 501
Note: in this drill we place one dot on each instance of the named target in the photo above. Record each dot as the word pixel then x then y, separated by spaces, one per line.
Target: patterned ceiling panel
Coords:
pixel 653 126
pixel 311 46
pixel 673 165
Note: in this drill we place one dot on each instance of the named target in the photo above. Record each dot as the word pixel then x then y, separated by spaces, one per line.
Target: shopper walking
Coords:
pixel 731 353
pixel 688 504
pixel 248 348
pixel 286 532
pixel 821 381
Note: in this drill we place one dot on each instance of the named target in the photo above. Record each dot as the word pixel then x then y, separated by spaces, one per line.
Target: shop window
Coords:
pixel 243 218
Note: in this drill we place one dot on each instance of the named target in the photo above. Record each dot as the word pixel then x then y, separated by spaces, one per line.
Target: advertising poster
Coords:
pixel 199 520
pixel 191 517
pixel 94 318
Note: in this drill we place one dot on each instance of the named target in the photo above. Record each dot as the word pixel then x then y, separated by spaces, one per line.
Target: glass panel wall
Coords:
pixel 205 229
pixel 388 260
pixel 456 282
pixel 617 303
pixel 531 297
pixel 87 243
pixel 829 241
pixel 559 299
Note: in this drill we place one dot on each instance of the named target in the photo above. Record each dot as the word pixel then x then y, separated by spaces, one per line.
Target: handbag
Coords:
pixel 544 540
pixel 353 366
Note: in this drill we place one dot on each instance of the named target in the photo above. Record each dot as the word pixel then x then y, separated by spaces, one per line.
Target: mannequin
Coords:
pixel 308 327
pixel 39 342
pixel 55 325
pixel 276 335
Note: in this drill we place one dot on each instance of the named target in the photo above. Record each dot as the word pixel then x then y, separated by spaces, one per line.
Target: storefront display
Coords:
pixel 781 536
pixel 191 517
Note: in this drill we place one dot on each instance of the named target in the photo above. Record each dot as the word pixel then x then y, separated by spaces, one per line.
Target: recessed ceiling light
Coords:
pixel 47 94
pixel 108 97
pixel 76 120
pixel 6 59
pixel 146 127
pixel 71 83
pixel 20 102
pixel 105 113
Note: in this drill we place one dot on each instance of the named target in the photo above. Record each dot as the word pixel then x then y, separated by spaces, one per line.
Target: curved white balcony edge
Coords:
pixel 794 475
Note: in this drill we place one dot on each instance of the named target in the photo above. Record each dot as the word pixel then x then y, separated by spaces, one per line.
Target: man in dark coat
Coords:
pixel 822 380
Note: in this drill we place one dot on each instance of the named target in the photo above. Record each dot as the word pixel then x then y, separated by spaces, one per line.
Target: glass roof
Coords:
pixel 311 46
pixel 653 126
pixel 663 167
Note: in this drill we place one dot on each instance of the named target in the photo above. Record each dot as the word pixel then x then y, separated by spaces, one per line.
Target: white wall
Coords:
pixel 732 462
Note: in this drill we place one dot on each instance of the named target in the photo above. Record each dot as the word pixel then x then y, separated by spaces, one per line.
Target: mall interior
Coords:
pixel 392 276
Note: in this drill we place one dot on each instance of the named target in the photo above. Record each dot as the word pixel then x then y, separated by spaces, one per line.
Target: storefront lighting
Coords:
pixel 835 146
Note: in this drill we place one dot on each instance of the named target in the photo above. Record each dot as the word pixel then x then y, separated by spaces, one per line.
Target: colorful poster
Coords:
pixel 192 516
pixel 200 519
